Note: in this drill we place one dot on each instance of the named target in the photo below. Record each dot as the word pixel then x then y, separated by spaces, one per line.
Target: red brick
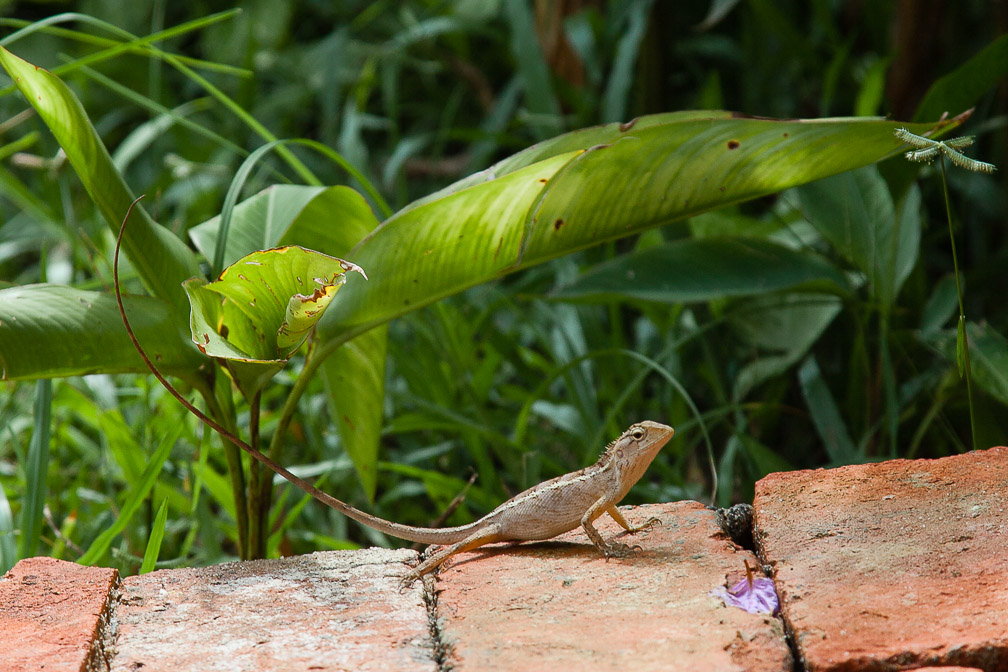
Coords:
pixel 892 565
pixel 53 616
pixel 559 604
pixel 337 610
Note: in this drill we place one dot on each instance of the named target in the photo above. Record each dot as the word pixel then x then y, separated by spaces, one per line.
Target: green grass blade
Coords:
pixel 826 415
pixel 133 502
pixel 115 48
pixel 154 542
pixel 539 94
pixel 36 471
pixel 8 547
pixel 158 108
pixel 161 259
pixel 614 100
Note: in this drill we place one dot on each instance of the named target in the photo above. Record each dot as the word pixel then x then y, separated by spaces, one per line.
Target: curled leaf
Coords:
pixel 262 308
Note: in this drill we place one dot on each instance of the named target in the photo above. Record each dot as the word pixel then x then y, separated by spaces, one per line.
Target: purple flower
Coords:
pixel 755 595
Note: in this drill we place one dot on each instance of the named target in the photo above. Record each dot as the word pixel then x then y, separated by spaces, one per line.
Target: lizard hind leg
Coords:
pixel 485 535
pixel 615 514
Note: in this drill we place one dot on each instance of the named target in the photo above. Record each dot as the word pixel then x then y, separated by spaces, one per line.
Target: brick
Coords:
pixel 559 604
pixel 335 610
pixel 53 616
pixel 892 565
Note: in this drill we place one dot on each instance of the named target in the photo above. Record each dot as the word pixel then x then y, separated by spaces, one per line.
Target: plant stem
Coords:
pixel 962 313
pixel 257 519
pixel 316 355
pixel 232 455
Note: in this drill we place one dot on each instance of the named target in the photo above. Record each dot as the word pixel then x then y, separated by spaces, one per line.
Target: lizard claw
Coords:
pixel 407 581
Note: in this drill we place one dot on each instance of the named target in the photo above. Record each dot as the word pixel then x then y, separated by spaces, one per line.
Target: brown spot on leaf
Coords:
pixel 557 224
pixel 543 180
pixel 206 338
pixel 733 144
pixel 201 348
pixel 223 331
pixel 627 125
pixel 351 425
pixel 786 134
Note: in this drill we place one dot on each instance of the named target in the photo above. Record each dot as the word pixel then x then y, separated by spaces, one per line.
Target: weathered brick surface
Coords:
pixel 892 565
pixel 52 616
pixel 559 605
pixel 336 610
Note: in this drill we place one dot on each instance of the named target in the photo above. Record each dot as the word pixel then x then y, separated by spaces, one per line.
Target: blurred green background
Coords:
pixel 511 380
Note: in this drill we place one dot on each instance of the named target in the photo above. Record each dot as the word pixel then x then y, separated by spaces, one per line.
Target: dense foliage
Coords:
pixel 809 328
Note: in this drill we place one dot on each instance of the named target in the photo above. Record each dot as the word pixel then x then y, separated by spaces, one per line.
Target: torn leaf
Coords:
pixel 262 308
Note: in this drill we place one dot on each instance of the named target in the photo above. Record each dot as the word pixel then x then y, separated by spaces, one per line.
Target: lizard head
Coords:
pixel 634 450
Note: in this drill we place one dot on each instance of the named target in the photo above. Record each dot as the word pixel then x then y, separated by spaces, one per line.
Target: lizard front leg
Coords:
pixel 615 514
pixel 484 535
pixel 610 549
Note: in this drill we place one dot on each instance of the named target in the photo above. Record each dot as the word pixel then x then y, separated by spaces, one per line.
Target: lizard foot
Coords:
pixel 407 581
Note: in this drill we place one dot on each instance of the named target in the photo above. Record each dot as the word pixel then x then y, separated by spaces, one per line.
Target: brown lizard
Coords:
pixel 541 512
pixel 546 510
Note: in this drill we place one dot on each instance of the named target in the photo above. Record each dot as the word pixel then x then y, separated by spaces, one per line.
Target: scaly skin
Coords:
pixel 550 508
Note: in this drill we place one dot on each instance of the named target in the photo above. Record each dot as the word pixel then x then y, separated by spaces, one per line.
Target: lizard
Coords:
pixel 543 511
pixel 546 510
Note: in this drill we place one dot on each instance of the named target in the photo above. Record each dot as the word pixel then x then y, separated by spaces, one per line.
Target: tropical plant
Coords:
pixel 758 291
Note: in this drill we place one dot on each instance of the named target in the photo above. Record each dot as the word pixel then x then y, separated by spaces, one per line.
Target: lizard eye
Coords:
pixel 637 434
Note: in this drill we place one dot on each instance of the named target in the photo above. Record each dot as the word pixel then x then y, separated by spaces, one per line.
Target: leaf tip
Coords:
pixel 348 266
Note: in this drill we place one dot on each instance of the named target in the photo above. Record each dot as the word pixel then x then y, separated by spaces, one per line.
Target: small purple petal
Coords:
pixel 757 598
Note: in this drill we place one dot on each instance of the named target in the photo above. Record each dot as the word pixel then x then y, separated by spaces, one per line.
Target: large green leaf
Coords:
pixel 701 270
pixel 781 330
pixel 48 331
pixel 989 356
pixel 261 222
pixel 856 214
pixel 354 377
pixel 826 415
pixel 657 171
pixel 159 257
pixel 963 86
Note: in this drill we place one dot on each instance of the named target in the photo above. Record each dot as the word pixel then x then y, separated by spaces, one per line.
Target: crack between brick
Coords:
pixel 441 648
pixel 797 662
pixel 103 643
